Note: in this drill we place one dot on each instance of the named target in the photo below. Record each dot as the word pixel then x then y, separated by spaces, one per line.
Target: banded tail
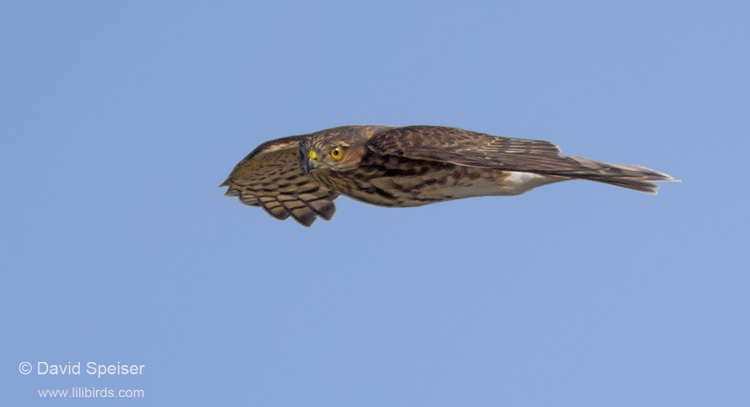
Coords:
pixel 622 175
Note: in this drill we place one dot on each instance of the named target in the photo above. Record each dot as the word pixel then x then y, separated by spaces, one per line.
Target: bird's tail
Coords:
pixel 622 175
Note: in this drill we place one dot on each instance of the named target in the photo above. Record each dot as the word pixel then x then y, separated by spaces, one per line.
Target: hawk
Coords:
pixel 301 176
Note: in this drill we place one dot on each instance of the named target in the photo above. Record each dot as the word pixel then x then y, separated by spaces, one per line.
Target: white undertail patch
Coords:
pixel 520 182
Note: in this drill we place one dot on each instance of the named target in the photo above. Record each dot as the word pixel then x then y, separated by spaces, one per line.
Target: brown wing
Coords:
pixel 472 149
pixel 271 177
pixel 468 148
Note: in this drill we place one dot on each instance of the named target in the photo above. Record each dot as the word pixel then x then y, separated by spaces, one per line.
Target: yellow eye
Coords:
pixel 336 153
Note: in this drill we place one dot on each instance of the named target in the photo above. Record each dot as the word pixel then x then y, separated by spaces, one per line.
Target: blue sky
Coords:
pixel 121 118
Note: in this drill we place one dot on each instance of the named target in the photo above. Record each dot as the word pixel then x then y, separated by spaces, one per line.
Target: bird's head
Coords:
pixel 339 149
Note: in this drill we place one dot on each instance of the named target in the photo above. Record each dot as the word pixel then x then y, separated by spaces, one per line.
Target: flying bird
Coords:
pixel 301 176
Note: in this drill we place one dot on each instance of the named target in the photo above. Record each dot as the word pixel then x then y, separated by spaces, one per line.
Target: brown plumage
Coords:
pixel 300 176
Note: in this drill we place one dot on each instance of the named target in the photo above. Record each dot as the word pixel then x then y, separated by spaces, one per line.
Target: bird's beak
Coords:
pixel 307 159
